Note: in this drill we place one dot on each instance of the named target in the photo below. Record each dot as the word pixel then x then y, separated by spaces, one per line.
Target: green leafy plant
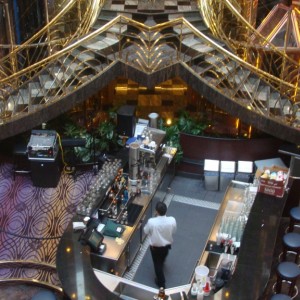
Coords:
pixel 185 123
pixel 102 138
pixel 188 124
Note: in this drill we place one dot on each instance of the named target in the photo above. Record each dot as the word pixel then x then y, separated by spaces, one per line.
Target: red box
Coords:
pixel 271 187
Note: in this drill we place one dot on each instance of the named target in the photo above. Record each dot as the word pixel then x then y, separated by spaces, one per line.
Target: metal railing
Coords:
pixel 150 49
pixel 73 20
pixel 39 274
pixel 228 21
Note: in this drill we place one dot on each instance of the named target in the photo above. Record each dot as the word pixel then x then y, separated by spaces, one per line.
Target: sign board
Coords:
pixel 269 185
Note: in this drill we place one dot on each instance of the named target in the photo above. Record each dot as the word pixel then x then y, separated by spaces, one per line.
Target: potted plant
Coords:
pixel 185 123
pixel 99 139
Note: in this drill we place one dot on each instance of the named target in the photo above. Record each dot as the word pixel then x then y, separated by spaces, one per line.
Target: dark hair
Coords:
pixel 161 208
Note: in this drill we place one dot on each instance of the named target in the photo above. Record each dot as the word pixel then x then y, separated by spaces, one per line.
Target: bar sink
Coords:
pixel 219 262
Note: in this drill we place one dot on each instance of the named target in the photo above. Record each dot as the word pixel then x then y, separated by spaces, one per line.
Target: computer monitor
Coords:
pixel 93 238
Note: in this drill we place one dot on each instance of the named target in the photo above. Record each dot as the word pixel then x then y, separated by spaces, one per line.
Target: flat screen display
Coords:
pixel 94 240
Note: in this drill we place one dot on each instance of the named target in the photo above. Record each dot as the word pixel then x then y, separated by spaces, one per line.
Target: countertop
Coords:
pixel 248 281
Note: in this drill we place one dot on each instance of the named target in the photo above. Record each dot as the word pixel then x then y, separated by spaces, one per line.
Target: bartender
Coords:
pixel 160 230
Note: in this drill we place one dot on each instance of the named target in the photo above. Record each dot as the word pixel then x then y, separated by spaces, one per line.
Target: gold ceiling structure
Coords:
pixel 232 66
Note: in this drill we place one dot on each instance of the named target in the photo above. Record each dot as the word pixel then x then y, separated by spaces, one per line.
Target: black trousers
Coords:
pixel 159 255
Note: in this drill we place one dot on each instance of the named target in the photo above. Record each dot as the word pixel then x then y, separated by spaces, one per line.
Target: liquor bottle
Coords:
pixel 126 194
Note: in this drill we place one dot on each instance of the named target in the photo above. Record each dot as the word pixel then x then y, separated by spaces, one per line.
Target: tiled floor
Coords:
pixel 150 5
pixel 192 192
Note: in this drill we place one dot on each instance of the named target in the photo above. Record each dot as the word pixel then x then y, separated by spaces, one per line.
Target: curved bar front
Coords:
pixel 75 269
pixel 253 262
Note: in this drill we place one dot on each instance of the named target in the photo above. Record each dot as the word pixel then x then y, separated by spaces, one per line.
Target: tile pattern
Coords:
pixel 151 5
pixel 196 202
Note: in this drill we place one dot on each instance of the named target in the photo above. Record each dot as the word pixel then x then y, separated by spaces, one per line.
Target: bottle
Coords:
pixel 126 194
pixel 194 290
pixel 206 289
pixel 161 293
pixel 200 294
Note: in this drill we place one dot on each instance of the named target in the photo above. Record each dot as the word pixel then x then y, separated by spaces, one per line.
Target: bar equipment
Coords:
pixel 227 172
pixel 211 174
pixel 43 145
pixel 201 273
pixel 44 160
pixel 153 119
pixel 244 171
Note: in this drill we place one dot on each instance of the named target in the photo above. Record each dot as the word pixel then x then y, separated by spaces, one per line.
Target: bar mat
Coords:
pixel 134 211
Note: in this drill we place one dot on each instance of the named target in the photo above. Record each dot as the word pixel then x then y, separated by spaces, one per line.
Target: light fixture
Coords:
pixel 169 121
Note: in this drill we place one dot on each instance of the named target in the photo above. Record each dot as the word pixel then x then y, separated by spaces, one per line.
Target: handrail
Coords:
pixel 147 48
pixel 48 36
pixel 144 53
pixel 147 29
pixel 238 33
pixel 27 263
pixel 33 282
pixel 33 265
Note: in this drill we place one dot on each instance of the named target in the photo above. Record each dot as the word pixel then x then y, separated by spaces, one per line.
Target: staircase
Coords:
pixel 149 47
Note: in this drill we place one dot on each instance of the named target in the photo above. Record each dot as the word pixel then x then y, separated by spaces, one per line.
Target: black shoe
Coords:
pixel 159 285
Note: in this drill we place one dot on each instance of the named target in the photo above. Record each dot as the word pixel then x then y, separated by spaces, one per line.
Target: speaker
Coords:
pixel 126 120
pixel 76 142
pixel 295 167
pixel 45 173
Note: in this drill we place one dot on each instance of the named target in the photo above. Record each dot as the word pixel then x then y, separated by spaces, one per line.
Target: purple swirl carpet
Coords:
pixel 32 219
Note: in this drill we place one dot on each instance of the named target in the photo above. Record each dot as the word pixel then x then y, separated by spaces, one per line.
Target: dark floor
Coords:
pixel 194 189
pixel 195 210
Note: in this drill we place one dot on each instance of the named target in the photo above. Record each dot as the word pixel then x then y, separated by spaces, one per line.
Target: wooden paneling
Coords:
pixel 200 148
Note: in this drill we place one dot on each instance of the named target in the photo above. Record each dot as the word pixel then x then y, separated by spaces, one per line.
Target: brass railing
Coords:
pixel 227 21
pixel 148 49
pixel 43 272
pixel 71 21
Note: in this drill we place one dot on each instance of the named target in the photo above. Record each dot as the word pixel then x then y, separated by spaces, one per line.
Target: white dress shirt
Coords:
pixel 160 230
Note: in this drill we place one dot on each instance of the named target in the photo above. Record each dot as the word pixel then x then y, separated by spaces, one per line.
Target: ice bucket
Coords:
pixel 201 273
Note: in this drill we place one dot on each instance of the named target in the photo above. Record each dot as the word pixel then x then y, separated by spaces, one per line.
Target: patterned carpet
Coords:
pixel 32 220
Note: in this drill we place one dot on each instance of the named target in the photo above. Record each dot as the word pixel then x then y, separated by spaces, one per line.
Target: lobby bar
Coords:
pixel 84 274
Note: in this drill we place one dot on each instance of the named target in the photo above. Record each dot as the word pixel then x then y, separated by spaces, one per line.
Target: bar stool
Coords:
pixel 294 218
pixel 287 272
pixel 291 243
pixel 281 297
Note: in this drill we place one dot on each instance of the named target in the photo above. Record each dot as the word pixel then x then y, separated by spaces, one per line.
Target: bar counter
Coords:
pixel 254 259
pixel 250 276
